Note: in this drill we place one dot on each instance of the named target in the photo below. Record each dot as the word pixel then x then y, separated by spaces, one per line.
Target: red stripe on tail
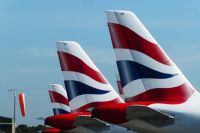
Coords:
pixel 123 37
pixel 119 85
pixel 69 62
pixel 178 94
pixel 58 98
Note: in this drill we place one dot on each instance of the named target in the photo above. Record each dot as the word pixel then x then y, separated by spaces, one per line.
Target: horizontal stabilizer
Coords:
pixel 150 116
pixel 91 123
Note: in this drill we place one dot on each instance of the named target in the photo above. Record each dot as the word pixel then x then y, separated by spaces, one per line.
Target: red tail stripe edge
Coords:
pixel 58 98
pixel 69 62
pixel 162 95
pixel 123 37
pixel 119 85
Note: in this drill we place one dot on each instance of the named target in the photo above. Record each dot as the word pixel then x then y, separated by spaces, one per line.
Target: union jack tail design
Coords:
pixel 146 72
pixel 59 99
pixel 85 84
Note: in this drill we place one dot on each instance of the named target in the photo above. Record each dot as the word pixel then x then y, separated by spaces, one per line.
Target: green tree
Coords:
pixel 25 129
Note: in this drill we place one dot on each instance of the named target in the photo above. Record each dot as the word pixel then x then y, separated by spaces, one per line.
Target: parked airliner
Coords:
pixel 61 109
pixel 85 87
pixel 159 98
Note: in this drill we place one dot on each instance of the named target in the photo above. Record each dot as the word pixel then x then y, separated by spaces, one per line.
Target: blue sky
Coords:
pixel 29 29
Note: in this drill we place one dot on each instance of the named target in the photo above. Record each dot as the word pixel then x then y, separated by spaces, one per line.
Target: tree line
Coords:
pixel 32 129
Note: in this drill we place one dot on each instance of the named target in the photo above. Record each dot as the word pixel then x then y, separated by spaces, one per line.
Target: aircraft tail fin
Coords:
pixel 146 72
pixel 86 85
pixel 59 99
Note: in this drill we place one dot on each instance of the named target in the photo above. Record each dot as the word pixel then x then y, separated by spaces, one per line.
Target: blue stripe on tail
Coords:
pixel 58 111
pixel 75 88
pixel 130 71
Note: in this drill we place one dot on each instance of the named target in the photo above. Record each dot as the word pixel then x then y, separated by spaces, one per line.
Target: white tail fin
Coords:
pixel 146 72
pixel 59 99
pixel 86 86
